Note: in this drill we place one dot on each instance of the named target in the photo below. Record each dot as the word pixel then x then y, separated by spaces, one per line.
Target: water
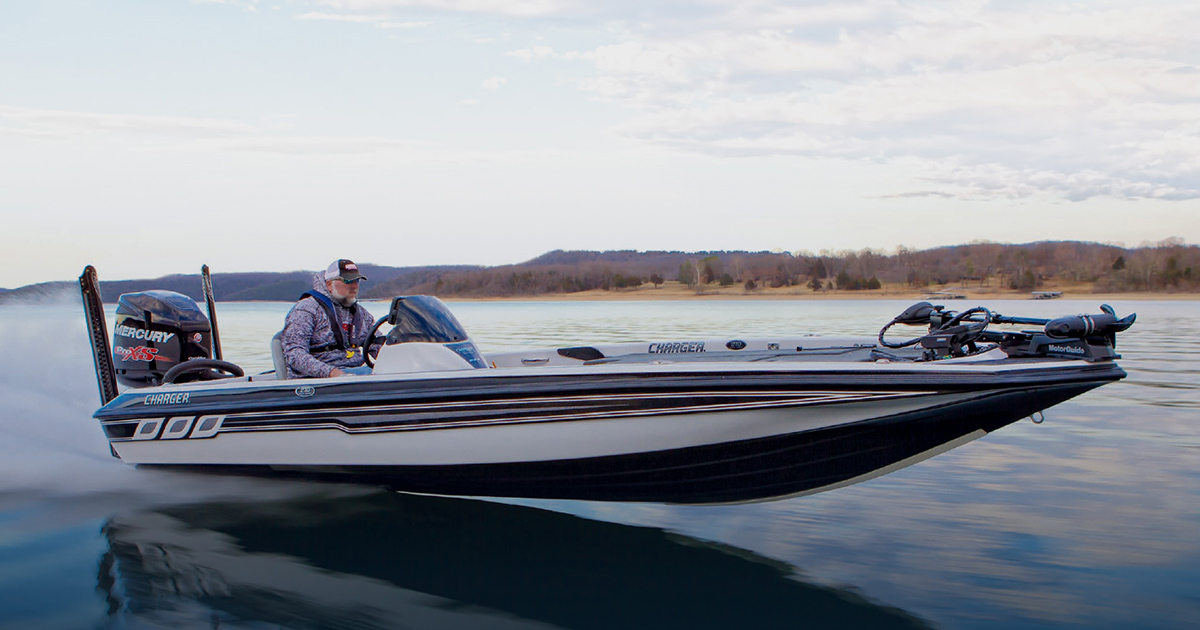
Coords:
pixel 1091 520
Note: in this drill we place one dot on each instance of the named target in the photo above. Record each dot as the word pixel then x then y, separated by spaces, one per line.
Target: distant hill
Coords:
pixel 41 293
pixel 233 287
pixel 1167 266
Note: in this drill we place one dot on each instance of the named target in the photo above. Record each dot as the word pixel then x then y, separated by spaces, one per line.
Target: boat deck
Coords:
pixel 856 354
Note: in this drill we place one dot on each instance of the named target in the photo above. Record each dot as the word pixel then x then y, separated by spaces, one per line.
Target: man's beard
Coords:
pixel 346 300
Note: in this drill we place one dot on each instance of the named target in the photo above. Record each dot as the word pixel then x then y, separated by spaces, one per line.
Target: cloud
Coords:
pixel 1077 103
pixel 339 17
pixel 69 124
pixel 530 54
pixel 539 53
pixel 1058 99
pixel 326 145
pixel 403 24
pixel 918 195
pixel 380 21
pixel 189 133
pixel 217 136
pixel 515 8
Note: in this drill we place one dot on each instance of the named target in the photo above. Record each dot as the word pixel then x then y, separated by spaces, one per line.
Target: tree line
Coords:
pixel 1170 265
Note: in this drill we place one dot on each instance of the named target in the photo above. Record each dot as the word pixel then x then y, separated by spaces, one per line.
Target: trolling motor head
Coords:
pixel 1105 325
pixel 1088 337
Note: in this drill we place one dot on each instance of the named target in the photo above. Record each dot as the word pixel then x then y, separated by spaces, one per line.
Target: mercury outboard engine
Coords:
pixel 156 331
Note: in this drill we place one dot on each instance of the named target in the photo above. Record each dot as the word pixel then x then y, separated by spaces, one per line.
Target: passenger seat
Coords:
pixel 281 371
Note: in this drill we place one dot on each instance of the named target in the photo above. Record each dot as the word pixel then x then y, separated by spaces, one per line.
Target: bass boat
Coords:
pixel 715 420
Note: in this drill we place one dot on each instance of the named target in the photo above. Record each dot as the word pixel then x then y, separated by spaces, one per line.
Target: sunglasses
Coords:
pixel 354 281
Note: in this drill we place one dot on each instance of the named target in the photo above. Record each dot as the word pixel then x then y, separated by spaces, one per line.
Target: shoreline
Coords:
pixel 680 293
pixel 674 292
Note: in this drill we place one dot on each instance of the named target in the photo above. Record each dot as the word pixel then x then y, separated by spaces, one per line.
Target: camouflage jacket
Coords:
pixel 307 326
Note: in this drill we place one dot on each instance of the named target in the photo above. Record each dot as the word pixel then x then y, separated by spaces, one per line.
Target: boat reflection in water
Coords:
pixel 388 560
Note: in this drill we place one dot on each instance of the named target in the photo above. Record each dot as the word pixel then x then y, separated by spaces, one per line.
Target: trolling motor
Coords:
pixel 1084 326
pixel 1090 337
pixel 951 334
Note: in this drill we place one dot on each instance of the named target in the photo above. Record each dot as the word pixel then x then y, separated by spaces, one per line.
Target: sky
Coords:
pixel 148 137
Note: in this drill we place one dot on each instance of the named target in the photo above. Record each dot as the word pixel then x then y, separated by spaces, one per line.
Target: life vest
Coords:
pixel 339 335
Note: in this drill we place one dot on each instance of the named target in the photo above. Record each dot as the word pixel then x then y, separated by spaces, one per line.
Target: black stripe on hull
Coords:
pixel 738 471
pixel 350 397
pixel 524 410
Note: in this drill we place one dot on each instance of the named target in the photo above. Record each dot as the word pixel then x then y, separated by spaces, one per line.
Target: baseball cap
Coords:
pixel 344 269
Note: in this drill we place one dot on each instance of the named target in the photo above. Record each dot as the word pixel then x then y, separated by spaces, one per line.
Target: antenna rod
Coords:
pixel 93 311
pixel 212 312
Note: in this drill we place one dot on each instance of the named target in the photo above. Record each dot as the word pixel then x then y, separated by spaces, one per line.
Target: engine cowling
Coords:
pixel 155 331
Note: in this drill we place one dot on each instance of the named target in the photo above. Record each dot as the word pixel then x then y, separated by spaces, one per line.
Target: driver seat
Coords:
pixel 281 371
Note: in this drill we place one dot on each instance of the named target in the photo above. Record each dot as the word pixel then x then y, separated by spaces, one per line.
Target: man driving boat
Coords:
pixel 324 332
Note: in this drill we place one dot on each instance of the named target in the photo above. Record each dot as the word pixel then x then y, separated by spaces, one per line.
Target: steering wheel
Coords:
pixel 371 340
pixel 204 369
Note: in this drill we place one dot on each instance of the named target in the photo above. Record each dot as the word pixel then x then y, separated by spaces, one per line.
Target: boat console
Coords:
pixel 425 337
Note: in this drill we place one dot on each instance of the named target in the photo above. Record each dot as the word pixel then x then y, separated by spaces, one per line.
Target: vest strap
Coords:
pixel 339 335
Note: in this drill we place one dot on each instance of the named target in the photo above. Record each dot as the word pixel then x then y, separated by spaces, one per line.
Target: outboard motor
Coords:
pixel 156 331
pixel 425 337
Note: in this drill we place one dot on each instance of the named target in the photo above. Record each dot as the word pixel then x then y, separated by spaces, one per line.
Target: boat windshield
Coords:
pixel 423 318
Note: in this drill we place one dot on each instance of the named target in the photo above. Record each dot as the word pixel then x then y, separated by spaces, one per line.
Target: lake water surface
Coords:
pixel 1090 520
